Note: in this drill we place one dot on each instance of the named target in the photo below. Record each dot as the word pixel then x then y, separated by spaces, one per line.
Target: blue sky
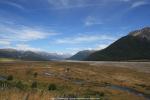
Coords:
pixel 68 26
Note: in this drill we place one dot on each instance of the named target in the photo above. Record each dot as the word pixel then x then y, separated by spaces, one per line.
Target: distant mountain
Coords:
pixel 81 55
pixel 30 55
pixel 134 46
pixel 53 56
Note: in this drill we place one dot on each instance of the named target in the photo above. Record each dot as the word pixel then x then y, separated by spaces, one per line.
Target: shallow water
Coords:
pixel 116 87
pixel 2 78
pixel 130 90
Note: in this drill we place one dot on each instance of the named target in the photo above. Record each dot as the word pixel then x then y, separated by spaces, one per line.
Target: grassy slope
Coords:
pixel 126 48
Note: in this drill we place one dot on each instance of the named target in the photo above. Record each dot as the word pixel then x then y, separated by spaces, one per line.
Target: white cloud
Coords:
pixel 84 39
pixel 101 46
pixel 23 33
pixel 138 3
pixel 125 0
pixel 135 3
pixel 26 47
pixel 65 4
pixel 4 43
pixel 12 34
pixel 74 50
pixel 28 34
pixel 7 44
pixel 14 4
pixel 78 49
pixel 89 21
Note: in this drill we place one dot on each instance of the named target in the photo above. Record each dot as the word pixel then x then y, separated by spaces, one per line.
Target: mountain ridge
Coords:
pixel 81 55
pixel 30 55
pixel 134 46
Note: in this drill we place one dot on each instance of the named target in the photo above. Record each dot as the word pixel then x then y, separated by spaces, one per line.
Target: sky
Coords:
pixel 69 26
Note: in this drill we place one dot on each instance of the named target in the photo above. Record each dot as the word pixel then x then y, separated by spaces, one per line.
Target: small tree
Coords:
pixel 10 77
pixel 35 74
pixel 34 85
pixel 20 85
pixel 52 87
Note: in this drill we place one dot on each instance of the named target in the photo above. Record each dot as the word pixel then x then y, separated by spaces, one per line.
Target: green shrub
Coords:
pixel 4 84
pixel 35 74
pixel 101 94
pixel 94 93
pixel 20 85
pixel 70 95
pixel 10 77
pixel 34 85
pixel 52 87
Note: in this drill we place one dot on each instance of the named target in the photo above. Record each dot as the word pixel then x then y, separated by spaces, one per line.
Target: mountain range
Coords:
pixel 81 55
pixel 30 55
pixel 134 46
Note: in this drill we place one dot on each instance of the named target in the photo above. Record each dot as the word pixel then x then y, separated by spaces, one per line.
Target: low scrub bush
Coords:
pixel 10 78
pixel 34 85
pixel 35 74
pixel 20 85
pixel 52 87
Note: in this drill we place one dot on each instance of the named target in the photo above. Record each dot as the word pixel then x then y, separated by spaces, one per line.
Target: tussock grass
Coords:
pixel 44 80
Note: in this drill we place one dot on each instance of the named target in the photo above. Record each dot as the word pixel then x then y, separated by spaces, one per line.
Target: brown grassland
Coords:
pixel 26 80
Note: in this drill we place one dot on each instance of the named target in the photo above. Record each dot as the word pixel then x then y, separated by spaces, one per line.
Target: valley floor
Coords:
pixel 27 80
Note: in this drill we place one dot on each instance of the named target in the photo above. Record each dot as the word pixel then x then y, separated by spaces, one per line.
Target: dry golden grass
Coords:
pixel 79 79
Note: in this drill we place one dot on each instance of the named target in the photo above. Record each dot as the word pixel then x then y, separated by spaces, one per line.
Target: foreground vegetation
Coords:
pixel 45 80
pixel 7 59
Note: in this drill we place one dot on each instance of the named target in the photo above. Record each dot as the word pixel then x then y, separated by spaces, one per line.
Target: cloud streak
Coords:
pixel 13 4
pixel 65 4
pixel 23 33
pixel 15 36
pixel 84 39
pixel 138 4
pixel 4 43
pixel 26 47
pixel 90 20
